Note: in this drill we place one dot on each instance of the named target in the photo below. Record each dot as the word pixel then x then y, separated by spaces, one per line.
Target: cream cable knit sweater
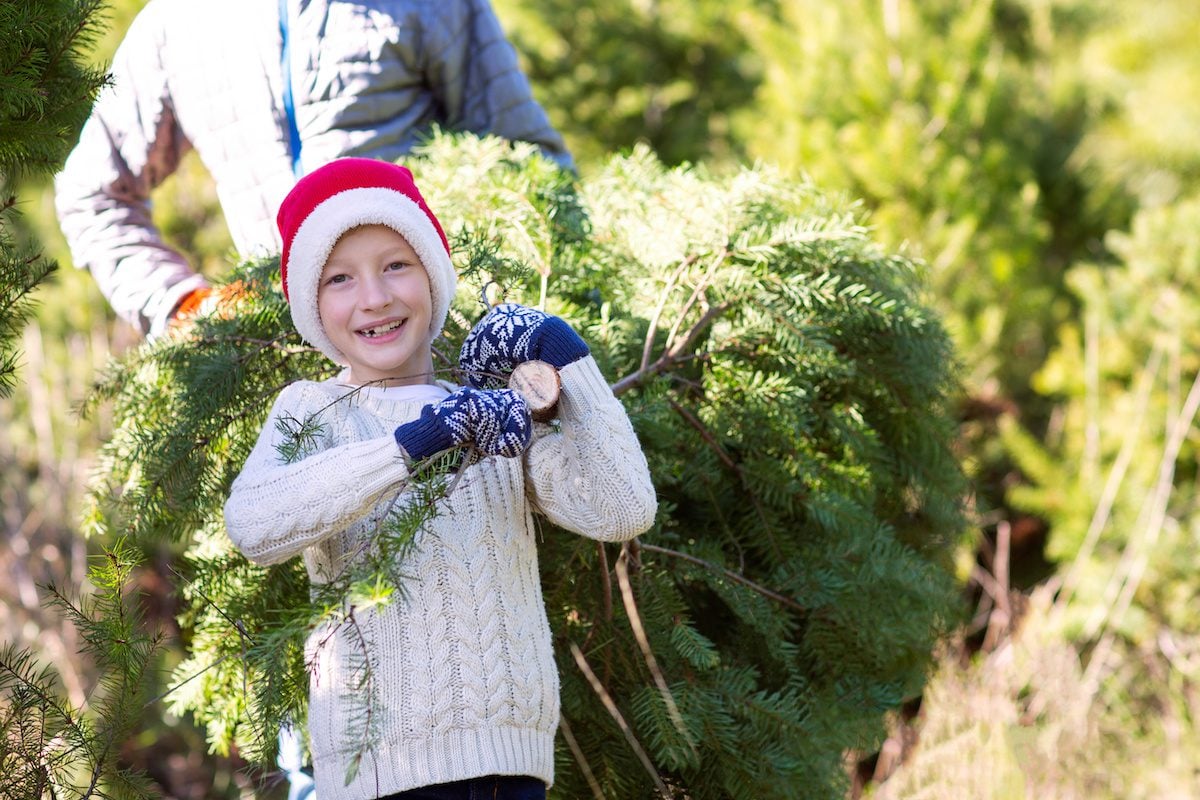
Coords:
pixel 463 664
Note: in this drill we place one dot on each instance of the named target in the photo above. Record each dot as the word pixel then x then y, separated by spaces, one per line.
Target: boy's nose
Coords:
pixel 373 293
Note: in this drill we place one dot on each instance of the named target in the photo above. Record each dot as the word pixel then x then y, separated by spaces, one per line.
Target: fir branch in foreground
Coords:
pixel 21 270
pixel 47 747
pixel 261 647
pixel 46 93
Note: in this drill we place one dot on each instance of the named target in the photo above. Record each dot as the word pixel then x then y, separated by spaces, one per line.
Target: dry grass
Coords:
pixel 1021 723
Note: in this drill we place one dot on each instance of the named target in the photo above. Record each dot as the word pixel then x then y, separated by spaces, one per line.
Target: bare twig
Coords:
pixel 1137 553
pixel 697 293
pixel 983 613
pixel 733 576
pixel 1090 459
pixel 991 587
pixel 462 469
pixel 1001 618
pixel 675 351
pixel 633 550
pixel 639 633
pixel 652 328
pixel 580 759
pixel 671 356
pixel 708 438
pixel 186 680
pixel 451 366
pixel 606 586
pixel 611 706
pixel 1116 476
pixel 236 624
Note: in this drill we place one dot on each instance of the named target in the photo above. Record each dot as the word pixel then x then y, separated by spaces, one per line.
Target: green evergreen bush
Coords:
pixel 956 125
pixel 48 748
pixel 1125 375
pixel 1117 482
pixel 790 390
pixel 46 93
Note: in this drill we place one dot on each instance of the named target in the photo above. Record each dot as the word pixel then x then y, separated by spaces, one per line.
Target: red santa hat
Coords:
pixel 342 195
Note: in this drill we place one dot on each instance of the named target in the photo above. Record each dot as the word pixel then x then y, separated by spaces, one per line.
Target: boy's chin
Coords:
pixel 390 375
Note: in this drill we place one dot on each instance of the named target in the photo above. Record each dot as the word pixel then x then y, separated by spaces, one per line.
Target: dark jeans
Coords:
pixel 493 787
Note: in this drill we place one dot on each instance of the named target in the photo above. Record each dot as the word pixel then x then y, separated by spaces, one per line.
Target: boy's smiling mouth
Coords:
pixel 381 328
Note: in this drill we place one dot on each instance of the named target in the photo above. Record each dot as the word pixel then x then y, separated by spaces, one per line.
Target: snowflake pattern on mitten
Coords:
pixel 511 334
pixel 496 422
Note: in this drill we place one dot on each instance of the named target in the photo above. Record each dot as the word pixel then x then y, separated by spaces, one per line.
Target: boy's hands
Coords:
pixel 496 422
pixel 511 334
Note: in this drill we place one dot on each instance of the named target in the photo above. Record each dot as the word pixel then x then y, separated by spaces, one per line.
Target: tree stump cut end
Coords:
pixel 539 384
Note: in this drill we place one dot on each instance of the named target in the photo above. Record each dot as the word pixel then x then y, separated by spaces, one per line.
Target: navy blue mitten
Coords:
pixel 496 422
pixel 511 334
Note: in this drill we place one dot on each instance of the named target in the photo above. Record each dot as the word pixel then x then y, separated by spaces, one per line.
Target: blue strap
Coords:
pixel 291 759
pixel 289 105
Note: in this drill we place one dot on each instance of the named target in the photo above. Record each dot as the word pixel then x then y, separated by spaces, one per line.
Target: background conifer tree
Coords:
pixel 46 93
pixel 789 387
pixel 48 747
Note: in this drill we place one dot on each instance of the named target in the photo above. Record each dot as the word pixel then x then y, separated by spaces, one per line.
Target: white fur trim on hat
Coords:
pixel 320 231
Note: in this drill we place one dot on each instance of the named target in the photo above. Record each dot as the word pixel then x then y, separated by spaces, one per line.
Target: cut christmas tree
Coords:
pixel 790 389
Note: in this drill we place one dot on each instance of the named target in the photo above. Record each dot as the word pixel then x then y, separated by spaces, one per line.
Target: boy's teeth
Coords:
pixel 391 326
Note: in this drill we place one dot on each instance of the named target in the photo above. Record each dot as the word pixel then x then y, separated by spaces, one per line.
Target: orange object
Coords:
pixel 190 305
pixel 209 300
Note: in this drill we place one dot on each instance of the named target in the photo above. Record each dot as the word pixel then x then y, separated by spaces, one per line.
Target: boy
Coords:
pixel 463 663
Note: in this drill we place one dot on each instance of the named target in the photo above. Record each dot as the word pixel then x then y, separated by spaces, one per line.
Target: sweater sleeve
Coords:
pixel 591 476
pixel 474 72
pixel 277 509
pixel 129 145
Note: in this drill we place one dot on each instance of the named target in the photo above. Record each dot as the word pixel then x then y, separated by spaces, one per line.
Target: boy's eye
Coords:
pixel 337 278
pixel 398 265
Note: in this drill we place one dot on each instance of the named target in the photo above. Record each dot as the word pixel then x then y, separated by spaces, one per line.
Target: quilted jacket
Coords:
pixel 368 78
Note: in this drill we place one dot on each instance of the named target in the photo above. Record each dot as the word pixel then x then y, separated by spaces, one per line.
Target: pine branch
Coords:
pixel 733 466
pixel 77 750
pixel 733 576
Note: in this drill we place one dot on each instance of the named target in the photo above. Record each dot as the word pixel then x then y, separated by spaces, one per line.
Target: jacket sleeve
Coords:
pixel 129 145
pixel 474 73
pixel 277 508
pixel 591 476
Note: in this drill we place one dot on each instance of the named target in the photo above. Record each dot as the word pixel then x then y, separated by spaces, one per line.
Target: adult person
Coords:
pixel 264 90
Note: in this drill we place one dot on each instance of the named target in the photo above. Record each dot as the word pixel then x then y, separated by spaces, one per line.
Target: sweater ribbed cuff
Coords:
pixel 559 344
pixel 583 387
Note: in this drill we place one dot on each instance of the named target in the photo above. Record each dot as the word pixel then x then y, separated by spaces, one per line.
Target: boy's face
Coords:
pixel 375 306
